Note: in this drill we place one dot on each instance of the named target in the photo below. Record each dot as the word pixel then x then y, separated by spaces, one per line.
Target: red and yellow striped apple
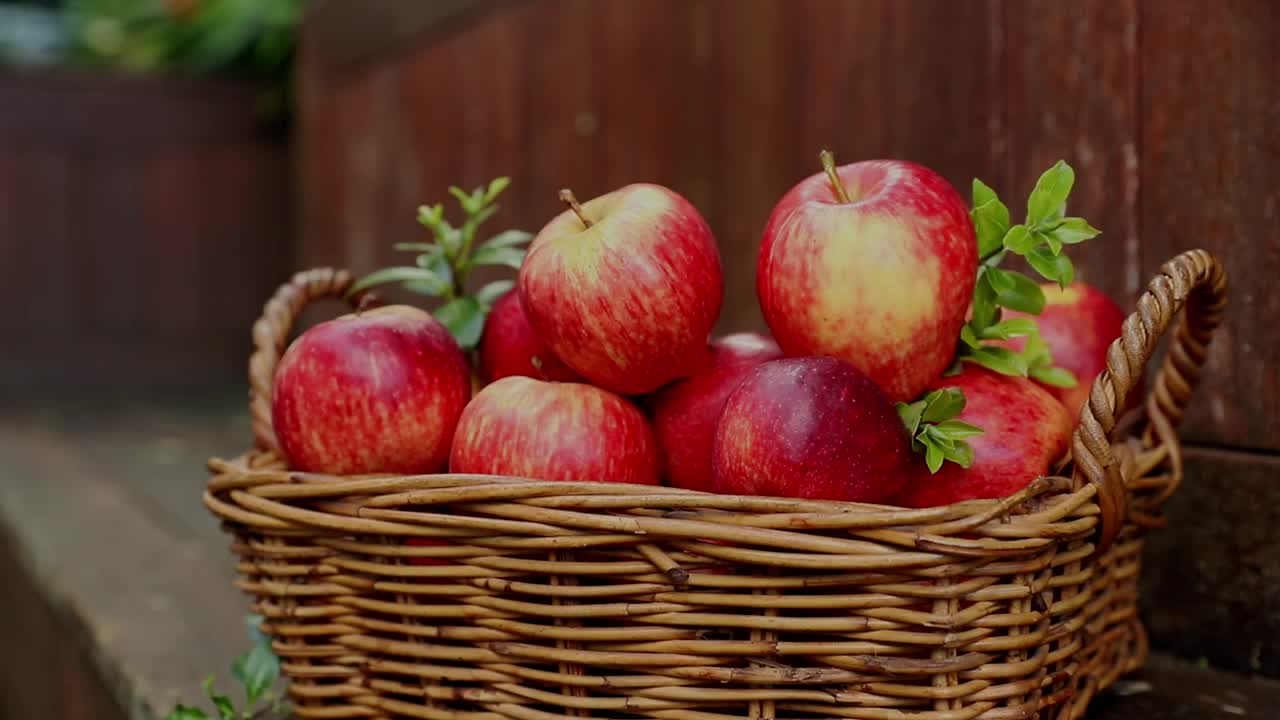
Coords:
pixel 522 427
pixel 625 288
pixel 1024 431
pixel 873 263
pixel 1078 324
pixel 374 391
pixel 510 346
pixel 810 428
pixel 685 413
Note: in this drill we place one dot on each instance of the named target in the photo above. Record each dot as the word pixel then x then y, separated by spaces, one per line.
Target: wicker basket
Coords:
pixel 541 601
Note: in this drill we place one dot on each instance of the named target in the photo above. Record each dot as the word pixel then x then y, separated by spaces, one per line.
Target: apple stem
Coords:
pixel 829 166
pixel 367 301
pixel 566 197
pixel 536 362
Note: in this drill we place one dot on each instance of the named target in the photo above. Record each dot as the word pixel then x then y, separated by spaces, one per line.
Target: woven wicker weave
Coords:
pixel 540 601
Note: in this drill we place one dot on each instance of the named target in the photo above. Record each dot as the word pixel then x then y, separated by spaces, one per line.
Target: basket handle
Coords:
pixel 1194 280
pixel 271 335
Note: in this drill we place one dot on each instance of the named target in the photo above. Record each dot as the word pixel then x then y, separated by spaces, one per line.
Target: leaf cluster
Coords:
pixel 442 265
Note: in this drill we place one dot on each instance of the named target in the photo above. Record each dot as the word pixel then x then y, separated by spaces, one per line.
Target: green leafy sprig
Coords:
pixel 257 672
pixel 1040 240
pixel 442 265
pixel 934 430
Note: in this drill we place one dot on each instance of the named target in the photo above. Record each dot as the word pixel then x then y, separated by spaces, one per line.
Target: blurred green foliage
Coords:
pixel 241 38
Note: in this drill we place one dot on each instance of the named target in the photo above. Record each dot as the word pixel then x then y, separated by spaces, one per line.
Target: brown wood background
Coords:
pixel 1168 109
pixel 142 220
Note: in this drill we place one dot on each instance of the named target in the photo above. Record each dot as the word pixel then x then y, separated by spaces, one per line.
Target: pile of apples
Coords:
pixel 901 368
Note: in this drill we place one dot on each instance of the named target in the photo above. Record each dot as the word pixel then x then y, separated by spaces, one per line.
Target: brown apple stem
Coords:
pixel 367 301
pixel 829 167
pixel 566 197
pixel 536 362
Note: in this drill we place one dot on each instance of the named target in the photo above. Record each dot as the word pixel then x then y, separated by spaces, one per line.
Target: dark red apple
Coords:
pixel 1078 324
pixel 1025 430
pixel 810 428
pixel 873 263
pixel 510 346
pixel 685 413
pixel 370 392
pixel 625 288
pixel 522 427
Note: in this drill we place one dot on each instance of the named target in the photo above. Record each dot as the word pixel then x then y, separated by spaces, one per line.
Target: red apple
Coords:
pixel 510 345
pixel 374 391
pixel 1078 324
pixel 529 428
pixel 685 413
pixel 1025 430
pixel 873 263
pixel 625 288
pixel 810 428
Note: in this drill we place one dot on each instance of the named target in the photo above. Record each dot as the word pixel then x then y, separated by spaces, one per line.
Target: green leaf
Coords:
pixel 507 238
pixel 1010 328
pixel 183 712
pixel 1055 376
pixel 943 404
pixel 1050 193
pixel 1044 239
pixel 990 222
pixel 985 310
pixel 423 280
pixel 1019 239
pixel 426 248
pixel 982 193
pixel 256 635
pixel 932 435
pixel 509 256
pixel 1016 291
pixel 1057 268
pixel 490 293
pixel 467 201
pixel 481 216
pixel 257 670
pixel 958 430
pixel 449 238
pixel 968 337
pixel 961 454
pixel 910 414
pixel 1036 351
pixel 1001 360
pixel 496 186
pixel 933 456
pixel 226 711
pixel 464 317
pixel 430 215
pixel 1074 230
pixel 442 281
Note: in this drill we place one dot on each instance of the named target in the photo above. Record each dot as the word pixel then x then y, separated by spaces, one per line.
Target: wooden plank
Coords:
pixel 45 297
pixel 755 162
pixel 1211 134
pixel 147 586
pixel 54 102
pixel 938 96
pixel 349 34
pixel 1169 689
pixel 1072 93
pixel 1211 581
pixel 46 673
